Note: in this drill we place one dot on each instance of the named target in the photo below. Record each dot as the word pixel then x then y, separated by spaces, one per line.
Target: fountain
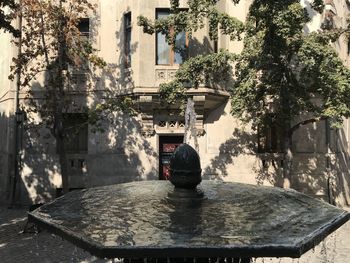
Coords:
pixel 191 222
pixel 190 135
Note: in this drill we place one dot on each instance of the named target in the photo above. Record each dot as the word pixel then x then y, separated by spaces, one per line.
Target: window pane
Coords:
pixel 180 48
pixel 128 47
pixel 127 42
pixel 269 138
pixel 162 14
pixel 163 50
pixel 84 27
pixel 128 19
pixel 76 132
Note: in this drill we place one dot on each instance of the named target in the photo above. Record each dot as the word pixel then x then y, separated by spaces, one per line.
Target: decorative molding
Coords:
pixel 171 74
pixel 199 103
pixel 158 119
pixel 146 107
pixel 163 75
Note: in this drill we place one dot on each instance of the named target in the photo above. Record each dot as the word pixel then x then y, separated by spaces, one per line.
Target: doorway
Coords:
pixel 167 145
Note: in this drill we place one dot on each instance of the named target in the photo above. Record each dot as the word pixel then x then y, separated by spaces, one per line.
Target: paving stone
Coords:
pixel 16 246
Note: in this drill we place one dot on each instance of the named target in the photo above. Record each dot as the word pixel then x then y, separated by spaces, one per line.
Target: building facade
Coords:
pixel 138 148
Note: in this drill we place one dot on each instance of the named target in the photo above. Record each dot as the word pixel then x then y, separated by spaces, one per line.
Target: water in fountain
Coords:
pixel 190 136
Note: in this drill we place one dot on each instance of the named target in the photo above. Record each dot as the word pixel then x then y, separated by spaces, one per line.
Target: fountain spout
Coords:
pixel 190 136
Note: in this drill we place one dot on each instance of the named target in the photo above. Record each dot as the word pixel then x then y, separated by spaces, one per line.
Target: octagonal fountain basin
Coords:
pixel 150 219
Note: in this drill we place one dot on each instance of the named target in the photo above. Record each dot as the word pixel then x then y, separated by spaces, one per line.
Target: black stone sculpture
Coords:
pixel 185 167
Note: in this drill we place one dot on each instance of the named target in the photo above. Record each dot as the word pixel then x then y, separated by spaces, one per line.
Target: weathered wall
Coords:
pixel 6 113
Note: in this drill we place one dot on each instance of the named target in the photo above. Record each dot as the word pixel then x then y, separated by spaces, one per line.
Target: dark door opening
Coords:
pixel 167 145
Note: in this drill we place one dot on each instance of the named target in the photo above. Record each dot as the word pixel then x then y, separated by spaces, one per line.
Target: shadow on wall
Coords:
pixel 125 74
pixel 313 172
pixel 320 166
pixel 6 157
pixel 40 166
pixel 341 177
pixel 117 155
pixel 241 142
pixel 31 181
pixel 120 154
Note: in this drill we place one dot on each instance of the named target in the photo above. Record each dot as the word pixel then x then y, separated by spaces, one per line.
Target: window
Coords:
pixel 81 62
pixel 84 28
pixel 216 46
pixel 269 137
pixel 165 54
pixel 127 39
pixel 76 132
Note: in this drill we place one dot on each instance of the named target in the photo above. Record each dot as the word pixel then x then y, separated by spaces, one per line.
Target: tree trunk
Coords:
pixel 59 107
pixel 63 164
pixel 56 86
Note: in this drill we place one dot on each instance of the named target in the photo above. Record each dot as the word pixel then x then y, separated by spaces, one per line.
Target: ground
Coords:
pixel 16 246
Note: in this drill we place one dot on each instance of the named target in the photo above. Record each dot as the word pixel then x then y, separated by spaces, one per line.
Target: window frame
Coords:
pixel 269 138
pixel 85 37
pixel 85 33
pixel 127 28
pixel 77 136
pixel 171 49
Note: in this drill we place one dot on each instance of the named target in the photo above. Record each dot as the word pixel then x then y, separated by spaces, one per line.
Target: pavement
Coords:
pixel 43 247
pixel 16 246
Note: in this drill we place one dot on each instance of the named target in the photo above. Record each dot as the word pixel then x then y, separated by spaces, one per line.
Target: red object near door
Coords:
pixel 167 145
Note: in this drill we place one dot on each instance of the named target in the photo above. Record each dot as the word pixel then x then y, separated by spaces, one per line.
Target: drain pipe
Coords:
pixel 18 114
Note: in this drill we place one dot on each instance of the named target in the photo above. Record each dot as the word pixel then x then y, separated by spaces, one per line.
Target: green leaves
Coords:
pixel 204 69
pixel 289 22
pixel 281 72
pixel 8 12
pixel 280 65
pixel 318 5
pixel 191 20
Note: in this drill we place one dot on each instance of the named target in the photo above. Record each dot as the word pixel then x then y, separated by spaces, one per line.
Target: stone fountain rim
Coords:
pixel 268 250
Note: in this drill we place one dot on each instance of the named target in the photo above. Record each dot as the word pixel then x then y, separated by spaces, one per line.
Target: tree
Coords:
pixel 281 75
pixel 50 42
pixel 299 74
pixel 6 18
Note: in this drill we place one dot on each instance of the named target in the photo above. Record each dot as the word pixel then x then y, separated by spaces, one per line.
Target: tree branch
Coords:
pixel 298 125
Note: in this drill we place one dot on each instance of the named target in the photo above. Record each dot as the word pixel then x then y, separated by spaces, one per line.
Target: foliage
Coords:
pixel 280 69
pixel 104 111
pixel 301 74
pixel 192 19
pixel 202 69
pixel 50 43
pixel 51 48
pixel 318 5
pixel 7 15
